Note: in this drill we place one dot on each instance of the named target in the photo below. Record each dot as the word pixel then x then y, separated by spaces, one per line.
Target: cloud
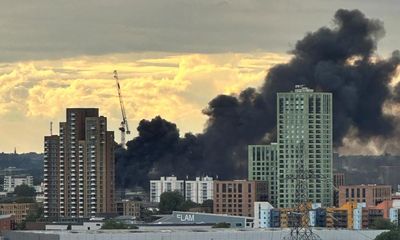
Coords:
pixel 46 29
pixel 176 86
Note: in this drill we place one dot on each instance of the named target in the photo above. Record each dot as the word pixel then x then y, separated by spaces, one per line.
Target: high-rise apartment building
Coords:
pixel 79 167
pixel 262 166
pixel 304 135
pixel 197 190
pixel 304 125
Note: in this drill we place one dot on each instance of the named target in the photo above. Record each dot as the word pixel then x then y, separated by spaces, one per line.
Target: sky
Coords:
pixel 172 56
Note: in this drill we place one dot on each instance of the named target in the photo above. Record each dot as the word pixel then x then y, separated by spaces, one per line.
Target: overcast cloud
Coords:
pixel 46 29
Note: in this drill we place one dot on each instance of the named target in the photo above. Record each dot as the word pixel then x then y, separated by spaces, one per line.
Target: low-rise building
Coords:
pixel 238 197
pixel 18 210
pixel 338 179
pixel 197 190
pixel 371 194
pixel 129 208
pixel 193 218
pixel 262 215
pixel 165 184
pixel 10 182
pixel 7 222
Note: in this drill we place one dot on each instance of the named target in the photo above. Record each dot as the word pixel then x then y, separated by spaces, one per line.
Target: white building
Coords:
pixel 165 184
pixel 394 216
pixel 262 212
pixel 197 190
pixel 200 189
pixel 357 216
pixel 10 182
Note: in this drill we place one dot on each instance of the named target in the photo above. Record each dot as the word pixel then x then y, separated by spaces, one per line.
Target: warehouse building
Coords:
pixel 194 218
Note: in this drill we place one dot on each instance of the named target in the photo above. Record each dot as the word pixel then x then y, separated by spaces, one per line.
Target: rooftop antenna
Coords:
pixel 51 128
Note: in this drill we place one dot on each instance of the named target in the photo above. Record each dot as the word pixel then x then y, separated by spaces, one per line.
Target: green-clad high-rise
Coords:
pixel 304 131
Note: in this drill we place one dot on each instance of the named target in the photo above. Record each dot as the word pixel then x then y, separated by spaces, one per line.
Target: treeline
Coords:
pixel 26 163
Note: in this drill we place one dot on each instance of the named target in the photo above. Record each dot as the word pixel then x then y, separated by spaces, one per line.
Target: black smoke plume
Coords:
pixel 340 60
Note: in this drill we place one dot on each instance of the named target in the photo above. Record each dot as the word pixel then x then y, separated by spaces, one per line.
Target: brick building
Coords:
pixel 18 210
pixel 129 208
pixel 371 194
pixel 237 197
pixel 7 222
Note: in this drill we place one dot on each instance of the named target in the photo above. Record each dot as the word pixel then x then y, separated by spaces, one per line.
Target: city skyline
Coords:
pixel 37 81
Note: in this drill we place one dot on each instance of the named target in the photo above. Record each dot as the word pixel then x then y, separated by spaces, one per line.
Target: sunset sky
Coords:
pixel 172 56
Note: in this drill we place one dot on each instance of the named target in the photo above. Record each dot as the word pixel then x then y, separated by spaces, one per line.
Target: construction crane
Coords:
pixel 124 128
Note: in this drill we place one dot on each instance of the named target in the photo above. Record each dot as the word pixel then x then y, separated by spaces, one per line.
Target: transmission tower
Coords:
pixel 299 217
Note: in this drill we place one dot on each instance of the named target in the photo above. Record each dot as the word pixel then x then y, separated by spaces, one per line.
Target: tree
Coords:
pixel 36 214
pixel 187 205
pixel 382 224
pixel 113 224
pixel 170 201
pixel 24 191
pixel 208 205
pixel 391 235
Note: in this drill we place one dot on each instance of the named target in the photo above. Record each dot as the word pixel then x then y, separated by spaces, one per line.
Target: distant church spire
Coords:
pixel 15 150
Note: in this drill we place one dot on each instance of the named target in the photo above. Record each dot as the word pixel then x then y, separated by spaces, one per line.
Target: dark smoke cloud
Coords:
pixel 340 60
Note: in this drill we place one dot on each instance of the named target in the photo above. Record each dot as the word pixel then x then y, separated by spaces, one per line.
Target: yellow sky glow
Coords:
pixel 175 86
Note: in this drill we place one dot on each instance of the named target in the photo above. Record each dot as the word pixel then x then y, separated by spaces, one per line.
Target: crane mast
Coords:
pixel 124 127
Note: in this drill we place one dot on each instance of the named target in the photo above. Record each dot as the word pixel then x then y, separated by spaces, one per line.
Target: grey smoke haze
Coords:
pixel 337 59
